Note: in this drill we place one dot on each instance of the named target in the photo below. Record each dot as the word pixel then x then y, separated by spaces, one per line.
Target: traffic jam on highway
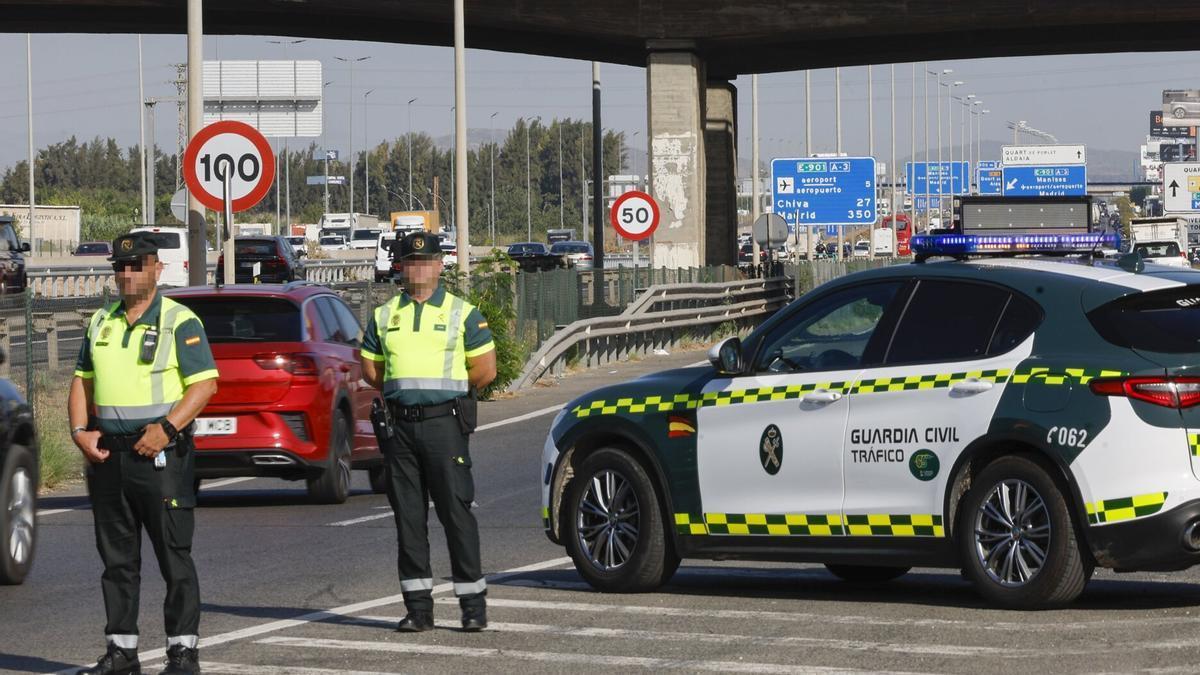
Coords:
pixel 1010 393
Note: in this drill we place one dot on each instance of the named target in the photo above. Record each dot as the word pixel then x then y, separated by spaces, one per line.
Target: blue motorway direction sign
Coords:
pixel 825 191
pixel 936 178
pixel 990 181
pixel 1066 180
pixel 921 205
pixel 987 164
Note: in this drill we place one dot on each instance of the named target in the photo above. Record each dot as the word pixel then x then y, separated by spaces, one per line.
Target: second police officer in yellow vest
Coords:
pixel 428 350
pixel 144 372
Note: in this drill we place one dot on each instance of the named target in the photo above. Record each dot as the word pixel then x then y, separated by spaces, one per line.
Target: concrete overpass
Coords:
pixel 692 49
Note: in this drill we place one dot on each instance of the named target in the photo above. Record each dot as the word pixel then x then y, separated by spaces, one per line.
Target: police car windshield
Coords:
pixel 246 319
pixel 1166 322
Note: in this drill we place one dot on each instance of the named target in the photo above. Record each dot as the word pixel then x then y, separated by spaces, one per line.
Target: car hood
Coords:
pixel 665 385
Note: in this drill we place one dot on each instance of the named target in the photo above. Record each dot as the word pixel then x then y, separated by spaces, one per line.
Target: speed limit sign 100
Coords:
pixel 634 215
pixel 233 147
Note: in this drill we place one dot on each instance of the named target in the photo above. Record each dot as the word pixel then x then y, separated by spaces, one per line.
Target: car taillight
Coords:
pixel 1170 392
pixel 185 265
pixel 300 365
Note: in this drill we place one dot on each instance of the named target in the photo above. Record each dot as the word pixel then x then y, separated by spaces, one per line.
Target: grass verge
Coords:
pixel 60 458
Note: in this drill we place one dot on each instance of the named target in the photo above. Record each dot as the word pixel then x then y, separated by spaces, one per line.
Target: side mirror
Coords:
pixel 727 358
pixel 25 247
pixel 300 253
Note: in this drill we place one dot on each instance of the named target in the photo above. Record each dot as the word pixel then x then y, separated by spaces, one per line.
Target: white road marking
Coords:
pixel 225 482
pixel 51 512
pixel 363 519
pixel 273 626
pixel 243 669
pixel 764 641
pixel 589 661
pixel 520 418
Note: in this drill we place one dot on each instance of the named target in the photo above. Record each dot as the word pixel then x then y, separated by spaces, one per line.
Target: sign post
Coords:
pixel 228 167
pixel 634 215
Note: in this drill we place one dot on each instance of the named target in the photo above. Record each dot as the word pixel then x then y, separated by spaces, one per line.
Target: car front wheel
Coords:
pixel 1017 538
pixel 18 514
pixel 615 530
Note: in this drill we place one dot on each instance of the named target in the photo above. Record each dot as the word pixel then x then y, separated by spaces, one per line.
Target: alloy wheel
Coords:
pixel 608 520
pixel 20 516
pixel 1012 533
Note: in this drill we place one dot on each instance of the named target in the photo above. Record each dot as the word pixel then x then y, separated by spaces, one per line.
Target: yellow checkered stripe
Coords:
pixel 1194 444
pixel 1125 508
pixel 713 398
pixel 809 525
pixel 920 382
pixel 1065 376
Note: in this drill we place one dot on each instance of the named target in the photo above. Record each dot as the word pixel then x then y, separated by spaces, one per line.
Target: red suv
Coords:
pixel 291 402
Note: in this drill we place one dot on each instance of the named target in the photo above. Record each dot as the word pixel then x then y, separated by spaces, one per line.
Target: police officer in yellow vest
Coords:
pixel 144 372
pixel 426 349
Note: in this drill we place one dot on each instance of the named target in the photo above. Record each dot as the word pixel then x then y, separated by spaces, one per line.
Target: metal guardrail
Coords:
pixel 92 280
pixel 661 316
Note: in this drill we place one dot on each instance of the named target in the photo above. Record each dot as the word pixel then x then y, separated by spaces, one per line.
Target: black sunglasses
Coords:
pixel 122 265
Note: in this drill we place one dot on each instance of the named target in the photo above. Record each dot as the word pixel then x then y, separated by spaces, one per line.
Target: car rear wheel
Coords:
pixel 865 574
pixel 333 485
pixel 615 531
pixel 1017 538
pixel 18 515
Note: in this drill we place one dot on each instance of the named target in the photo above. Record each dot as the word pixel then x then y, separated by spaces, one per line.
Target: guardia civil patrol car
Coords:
pixel 1025 419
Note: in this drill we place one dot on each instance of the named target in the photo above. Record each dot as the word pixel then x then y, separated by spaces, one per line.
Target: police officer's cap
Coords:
pixel 418 246
pixel 134 245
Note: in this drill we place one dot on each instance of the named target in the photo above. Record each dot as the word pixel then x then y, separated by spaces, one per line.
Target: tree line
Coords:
pixel 104 179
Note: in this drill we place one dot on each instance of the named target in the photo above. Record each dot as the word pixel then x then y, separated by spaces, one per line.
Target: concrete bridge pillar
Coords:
pixel 693 158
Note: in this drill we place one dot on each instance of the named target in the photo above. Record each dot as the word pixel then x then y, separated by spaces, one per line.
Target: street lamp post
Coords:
pixel 410 144
pixel 528 198
pixel 492 218
pixel 950 126
pixel 837 113
pixel 351 60
pixel 450 208
pixel 287 167
pixel 366 155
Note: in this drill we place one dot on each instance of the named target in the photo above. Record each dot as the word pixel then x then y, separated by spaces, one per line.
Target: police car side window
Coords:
pixel 947 321
pixel 831 333
pixel 1021 317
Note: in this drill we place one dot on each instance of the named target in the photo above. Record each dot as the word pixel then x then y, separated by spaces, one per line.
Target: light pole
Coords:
pixel 407 198
pixel 492 219
pixel 410 144
pixel 450 207
pixel 837 113
pixel 912 155
pixel 979 133
pixel 950 127
pixel 870 111
pixel 366 155
pixel 29 112
pixel 528 183
pixel 325 151
pixel 892 164
pixel 287 167
pixel 558 124
pixel 351 60
pixel 142 128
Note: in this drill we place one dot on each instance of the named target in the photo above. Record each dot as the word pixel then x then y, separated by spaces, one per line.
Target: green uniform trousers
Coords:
pixel 128 494
pixel 429 459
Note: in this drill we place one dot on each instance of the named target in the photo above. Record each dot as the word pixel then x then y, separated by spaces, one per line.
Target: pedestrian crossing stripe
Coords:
pixel 1125 508
pixel 1194 444
pixel 809 525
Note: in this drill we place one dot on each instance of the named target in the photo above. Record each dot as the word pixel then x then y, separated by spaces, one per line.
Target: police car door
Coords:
pixel 769 446
pixel 953 351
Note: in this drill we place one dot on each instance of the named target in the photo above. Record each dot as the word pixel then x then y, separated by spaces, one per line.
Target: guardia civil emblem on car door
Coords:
pixel 770 450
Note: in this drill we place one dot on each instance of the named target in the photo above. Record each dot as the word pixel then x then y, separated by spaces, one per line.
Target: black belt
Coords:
pixel 417 413
pixel 125 442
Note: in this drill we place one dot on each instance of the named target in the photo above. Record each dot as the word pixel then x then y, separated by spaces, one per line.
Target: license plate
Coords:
pixel 216 426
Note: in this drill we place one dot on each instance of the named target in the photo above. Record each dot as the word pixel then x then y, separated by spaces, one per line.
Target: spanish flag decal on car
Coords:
pixel 680 427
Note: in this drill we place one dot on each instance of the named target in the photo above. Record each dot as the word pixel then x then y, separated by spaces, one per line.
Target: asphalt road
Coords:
pixel 290 587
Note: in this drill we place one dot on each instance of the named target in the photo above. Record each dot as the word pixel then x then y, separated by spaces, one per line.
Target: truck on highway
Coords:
pixel 1162 240
pixel 344 224
pixel 881 242
pixel 414 221
pixel 903 232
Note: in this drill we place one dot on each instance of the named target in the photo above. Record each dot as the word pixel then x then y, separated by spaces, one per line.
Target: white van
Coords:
pixel 173 252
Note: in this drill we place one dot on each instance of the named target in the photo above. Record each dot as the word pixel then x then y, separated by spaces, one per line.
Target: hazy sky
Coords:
pixel 86 86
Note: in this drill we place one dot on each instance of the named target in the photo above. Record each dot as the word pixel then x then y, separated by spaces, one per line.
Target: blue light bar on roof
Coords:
pixel 1008 244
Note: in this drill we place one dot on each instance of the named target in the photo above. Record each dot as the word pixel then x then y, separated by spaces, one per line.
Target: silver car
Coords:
pixel 578 254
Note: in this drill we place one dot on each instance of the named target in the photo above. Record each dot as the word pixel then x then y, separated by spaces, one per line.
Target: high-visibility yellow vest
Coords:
pixel 424 349
pixel 127 391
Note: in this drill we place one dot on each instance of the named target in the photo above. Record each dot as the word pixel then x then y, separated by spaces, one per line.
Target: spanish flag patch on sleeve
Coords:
pixel 483 324
pixel 194 340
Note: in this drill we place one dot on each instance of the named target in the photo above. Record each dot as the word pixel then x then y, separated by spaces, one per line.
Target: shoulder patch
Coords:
pixel 194 340
pixel 483 324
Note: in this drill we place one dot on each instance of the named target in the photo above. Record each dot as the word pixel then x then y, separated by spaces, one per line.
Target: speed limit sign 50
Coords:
pixel 229 147
pixel 634 215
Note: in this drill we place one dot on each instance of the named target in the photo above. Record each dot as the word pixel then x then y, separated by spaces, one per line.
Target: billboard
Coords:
pixel 1159 130
pixel 1181 107
pixel 282 99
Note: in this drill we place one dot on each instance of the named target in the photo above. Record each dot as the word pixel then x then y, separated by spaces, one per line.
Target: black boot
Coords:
pixel 474 619
pixel 116 661
pixel 416 622
pixel 182 661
